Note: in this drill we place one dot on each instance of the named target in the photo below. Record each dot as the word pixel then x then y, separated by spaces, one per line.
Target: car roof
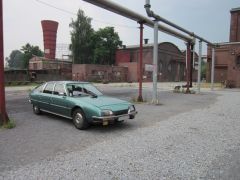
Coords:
pixel 68 82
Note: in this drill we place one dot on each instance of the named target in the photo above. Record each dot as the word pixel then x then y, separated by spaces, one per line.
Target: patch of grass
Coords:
pixel 10 125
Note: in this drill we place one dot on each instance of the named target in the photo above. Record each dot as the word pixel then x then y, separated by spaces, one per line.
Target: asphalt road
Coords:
pixel 41 137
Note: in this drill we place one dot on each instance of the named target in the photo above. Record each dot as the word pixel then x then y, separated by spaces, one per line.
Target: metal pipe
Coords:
pixel 212 71
pixel 191 63
pixel 116 8
pixel 140 99
pixel 152 14
pixel 188 66
pixel 199 65
pixel 193 57
pixel 3 114
pixel 227 43
pixel 155 64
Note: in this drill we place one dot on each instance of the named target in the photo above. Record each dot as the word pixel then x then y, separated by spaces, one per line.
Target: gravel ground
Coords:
pixel 201 144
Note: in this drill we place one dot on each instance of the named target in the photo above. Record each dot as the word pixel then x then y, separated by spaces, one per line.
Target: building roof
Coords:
pixel 235 9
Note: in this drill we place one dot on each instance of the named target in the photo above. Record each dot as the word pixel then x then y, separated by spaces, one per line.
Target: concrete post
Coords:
pixel 155 64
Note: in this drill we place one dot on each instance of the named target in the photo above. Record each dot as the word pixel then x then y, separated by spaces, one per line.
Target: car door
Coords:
pixel 46 96
pixel 60 101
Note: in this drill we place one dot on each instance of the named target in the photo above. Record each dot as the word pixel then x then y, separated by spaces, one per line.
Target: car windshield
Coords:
pixel 82 89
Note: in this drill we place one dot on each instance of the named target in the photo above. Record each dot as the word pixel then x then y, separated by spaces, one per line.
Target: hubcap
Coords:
pixel 35 108
pixel 78 118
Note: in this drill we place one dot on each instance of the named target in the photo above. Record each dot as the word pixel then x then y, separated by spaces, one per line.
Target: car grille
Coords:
pixel 125 111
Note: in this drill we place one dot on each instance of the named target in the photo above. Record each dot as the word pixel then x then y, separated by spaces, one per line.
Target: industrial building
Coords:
pixel 227 55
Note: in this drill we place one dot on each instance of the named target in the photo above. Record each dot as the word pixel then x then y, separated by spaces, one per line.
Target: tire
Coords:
pixel 79 119
pixel 36 110
pixel 131 116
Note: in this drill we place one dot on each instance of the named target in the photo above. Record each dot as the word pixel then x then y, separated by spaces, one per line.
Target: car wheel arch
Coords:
pixel 74 108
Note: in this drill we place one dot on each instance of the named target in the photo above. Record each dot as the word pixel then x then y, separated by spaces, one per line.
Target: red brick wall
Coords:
pixel 226 68
pixel 122 56
pixel 94 72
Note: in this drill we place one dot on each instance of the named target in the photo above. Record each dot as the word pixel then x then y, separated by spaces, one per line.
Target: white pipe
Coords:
pixel 159 18
pixel 199 65
pixel 227 43
pixel 118 9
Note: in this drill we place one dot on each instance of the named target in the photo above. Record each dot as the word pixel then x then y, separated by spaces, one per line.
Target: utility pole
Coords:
pixel 3 114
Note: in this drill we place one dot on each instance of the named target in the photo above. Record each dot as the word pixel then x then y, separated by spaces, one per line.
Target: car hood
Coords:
pixel 105 102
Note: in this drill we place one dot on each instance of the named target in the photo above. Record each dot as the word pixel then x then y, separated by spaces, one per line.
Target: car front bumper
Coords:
pixel 105 119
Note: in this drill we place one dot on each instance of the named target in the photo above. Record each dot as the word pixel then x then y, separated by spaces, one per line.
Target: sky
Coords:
pixel 209 19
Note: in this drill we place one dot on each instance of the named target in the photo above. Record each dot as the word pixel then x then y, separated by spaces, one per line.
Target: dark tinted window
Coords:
pixel 59 89
pixel 49 88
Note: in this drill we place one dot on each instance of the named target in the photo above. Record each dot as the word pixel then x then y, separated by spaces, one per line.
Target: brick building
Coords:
pixel 227 55
pixel 171 62
pixel 99 73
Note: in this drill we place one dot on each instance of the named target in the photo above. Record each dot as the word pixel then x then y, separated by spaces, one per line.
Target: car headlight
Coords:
pixel 107 112
pixel 131 108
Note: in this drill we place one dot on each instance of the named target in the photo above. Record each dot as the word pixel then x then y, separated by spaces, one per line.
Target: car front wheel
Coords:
pixel 79 119
pixel 36 110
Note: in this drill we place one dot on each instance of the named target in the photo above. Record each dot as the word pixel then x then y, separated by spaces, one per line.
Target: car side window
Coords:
pixel 59 89
pixel 39 88
pixel 49 88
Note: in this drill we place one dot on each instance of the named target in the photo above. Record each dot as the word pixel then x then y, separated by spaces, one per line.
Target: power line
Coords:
pixel 75 14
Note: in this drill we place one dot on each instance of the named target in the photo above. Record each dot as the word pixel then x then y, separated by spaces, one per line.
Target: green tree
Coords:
pixel 28 52
pixel 105 42
pixel 81 34
pixel 15 60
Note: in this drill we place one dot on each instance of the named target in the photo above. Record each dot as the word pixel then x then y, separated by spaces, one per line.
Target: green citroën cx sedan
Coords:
pixel 80 101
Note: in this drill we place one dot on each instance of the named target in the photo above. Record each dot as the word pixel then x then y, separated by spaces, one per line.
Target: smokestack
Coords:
pixel 235 25
pixel 49 37
pixel 146 41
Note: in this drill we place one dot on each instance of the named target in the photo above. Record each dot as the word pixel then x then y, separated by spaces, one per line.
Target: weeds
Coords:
pixel 11 124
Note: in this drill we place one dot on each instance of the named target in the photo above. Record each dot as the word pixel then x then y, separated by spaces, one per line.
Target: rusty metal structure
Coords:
pixel 3 114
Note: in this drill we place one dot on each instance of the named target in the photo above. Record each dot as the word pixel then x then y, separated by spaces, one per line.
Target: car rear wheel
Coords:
pixel 36 110
pixel 79 119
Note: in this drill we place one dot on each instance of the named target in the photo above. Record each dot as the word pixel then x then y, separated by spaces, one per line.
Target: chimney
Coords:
pixel 49 37
pixel 235 25
pixel 146 41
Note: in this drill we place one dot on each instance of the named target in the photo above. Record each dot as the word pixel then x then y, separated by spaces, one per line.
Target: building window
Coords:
pixel 160 67
pixel 169 67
